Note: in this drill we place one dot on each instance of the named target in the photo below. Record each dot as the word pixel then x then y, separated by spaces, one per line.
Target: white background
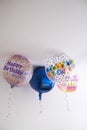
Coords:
pixel 36 29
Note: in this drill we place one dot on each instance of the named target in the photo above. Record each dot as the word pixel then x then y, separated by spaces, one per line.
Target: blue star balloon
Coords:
pixel 40 81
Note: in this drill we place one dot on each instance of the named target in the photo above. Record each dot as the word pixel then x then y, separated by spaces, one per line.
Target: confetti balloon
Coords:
pixel 17 71
pixel 59 67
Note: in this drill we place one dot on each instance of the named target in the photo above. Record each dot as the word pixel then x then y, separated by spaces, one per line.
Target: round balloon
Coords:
pixel 40 81
pixel 70 86
pixel 59 67
pixel 17 71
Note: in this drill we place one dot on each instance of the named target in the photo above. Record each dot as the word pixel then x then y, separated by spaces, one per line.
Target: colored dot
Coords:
pixel 54 68
pixel 68 63
pixel 59 72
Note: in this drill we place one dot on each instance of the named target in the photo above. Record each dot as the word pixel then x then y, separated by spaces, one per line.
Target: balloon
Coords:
pixel 59 67
pixel 17 71
pixel 70 86
pixel 40 81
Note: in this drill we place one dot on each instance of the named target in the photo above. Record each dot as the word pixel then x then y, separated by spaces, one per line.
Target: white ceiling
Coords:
pixel 37 29
pixel 33 28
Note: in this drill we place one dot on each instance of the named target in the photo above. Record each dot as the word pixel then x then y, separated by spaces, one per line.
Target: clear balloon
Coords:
pixel 59 67
pixel 17 71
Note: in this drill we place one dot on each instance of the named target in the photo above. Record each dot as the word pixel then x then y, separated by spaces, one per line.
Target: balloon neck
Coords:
pixel 12 86
pixel 40 96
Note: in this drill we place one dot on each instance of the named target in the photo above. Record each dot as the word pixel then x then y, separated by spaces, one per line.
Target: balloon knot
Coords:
pixel 40 96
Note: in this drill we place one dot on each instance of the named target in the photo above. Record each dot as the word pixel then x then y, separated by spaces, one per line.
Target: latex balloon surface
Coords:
pixel 17 71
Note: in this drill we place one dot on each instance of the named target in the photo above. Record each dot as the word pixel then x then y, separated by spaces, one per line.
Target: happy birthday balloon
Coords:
pixel 40 81
pixel 59 67
pixel 17 71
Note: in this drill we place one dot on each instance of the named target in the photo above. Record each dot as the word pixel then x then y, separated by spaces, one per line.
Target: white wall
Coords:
pixel 35 29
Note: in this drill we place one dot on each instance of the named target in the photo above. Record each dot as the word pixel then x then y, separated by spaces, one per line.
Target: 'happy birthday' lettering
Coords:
pixel 13 67
pixel 9 63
